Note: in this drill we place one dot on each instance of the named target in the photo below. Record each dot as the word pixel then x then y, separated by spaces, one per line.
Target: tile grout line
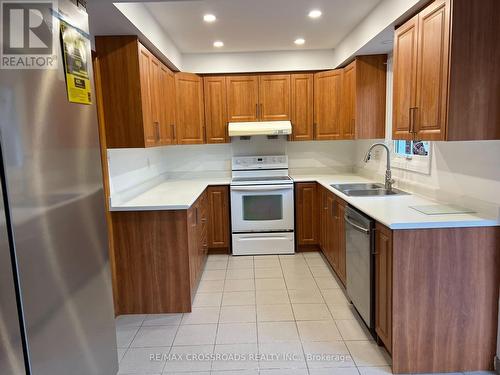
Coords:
pixel 329 311
pixel 294 317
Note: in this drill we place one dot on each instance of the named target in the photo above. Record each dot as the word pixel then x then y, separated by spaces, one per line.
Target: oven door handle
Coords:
pixel 260 188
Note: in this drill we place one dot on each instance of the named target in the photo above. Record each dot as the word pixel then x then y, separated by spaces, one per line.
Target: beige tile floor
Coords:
pixel 265 315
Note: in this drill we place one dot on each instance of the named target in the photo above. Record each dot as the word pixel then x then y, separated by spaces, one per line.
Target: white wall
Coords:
pixel 152 32
pixel 131 168
pixel 258 61
pixel 384 15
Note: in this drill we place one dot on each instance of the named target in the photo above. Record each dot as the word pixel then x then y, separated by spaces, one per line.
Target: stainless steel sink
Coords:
pixel 360 186
pixel 366 190
pixel 374 192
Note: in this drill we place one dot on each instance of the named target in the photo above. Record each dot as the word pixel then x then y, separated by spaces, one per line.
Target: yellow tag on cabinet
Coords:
pixel 76 49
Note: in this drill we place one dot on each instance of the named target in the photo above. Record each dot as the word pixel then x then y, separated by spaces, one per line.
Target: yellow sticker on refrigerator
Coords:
pixel 76 49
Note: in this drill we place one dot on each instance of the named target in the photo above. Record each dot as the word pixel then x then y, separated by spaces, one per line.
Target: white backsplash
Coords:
pixel 131 169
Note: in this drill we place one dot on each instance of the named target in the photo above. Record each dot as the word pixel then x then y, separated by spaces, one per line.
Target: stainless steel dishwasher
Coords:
pixel 360 264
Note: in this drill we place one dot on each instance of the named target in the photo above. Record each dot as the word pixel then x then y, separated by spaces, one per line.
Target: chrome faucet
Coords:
pixel 388 174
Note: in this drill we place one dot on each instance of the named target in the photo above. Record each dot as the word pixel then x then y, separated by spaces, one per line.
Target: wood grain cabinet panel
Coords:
pixel 349 102
pixel 404 78
pixel 274 97
pixel 302 104
pixel 327 105
pixel 242 98
pixel 445 299
pixel 331 237
pixel 307 218
pixel 323 211
pixel 136 105
pixel 441 57
pixel 432 72
pixel 330 249
pixel 340 240
pixel 364 98
pixel 167 106
pixel 383 285
pixel 218 207
pixel 214 89
pixel 152 262
pixel 190 115
pixel 147 70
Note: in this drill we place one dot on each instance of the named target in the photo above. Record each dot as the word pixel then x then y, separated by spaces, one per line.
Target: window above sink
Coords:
pixel 414 156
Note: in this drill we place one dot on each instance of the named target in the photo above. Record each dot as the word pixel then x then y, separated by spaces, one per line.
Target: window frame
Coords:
pixel 414 163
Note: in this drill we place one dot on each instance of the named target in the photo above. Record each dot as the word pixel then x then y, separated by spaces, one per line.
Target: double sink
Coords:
pixel 366 190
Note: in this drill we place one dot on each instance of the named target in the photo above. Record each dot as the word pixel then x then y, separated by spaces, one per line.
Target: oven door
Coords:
pixel 262 208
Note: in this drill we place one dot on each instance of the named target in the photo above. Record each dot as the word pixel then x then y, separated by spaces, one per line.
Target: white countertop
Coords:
pixel 392 211
pixel 169 195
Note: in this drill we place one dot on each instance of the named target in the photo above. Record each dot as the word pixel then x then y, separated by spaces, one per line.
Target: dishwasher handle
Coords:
pixel 356 226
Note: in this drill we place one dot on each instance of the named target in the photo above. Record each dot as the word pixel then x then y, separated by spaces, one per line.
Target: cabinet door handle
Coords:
pixel 315 126
pixel 412 120
pixel 414 111
pixel 256 110
pixel 172 128
pixel 410 117
pixel 157 130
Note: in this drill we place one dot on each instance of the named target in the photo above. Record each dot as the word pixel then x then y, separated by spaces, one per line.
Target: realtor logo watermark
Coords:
pixel 27 34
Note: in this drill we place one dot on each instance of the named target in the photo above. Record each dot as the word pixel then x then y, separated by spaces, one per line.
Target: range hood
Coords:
pixel 241 129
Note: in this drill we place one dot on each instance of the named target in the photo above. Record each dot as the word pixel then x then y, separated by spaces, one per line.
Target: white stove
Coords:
pixel 262 206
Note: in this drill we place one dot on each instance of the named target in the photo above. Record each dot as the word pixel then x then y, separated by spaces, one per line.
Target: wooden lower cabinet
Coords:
pixel 218 219
pixel 332 231
pixel 383 285
pixel 437 298
pixel 306 215
pixel 159 256
pixel 198 239
pixel 152 262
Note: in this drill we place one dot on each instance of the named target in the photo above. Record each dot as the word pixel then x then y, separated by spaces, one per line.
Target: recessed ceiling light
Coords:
pixel 209 18
pixel 315 13
pixel 299 41
pixel 218 44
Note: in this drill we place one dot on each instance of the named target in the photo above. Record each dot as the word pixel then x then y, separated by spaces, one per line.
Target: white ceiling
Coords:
pixel 258 25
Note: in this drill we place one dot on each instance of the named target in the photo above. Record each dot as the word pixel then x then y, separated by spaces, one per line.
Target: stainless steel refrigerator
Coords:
pixel 56 312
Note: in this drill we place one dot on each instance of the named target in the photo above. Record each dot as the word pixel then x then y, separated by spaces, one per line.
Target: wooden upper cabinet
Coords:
pixel 429 119
pixel 301 106
pixel 306 198
pixel 218 217
pixel 404 79
pixel 155 87
pixel 242 98
pixel 364 92
pixel 214 89
pixel 137 100
pixel 383 285
pixel 190 109
pixel 167 105
pixel 446 73
pixel 327 105
pixel 146 76
pixel 349 101
pixel 274 97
